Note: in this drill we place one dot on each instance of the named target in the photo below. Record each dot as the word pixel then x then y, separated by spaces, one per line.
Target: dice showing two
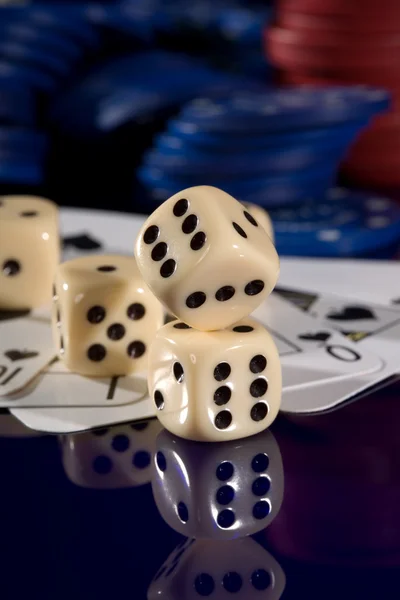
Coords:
pixel 215 373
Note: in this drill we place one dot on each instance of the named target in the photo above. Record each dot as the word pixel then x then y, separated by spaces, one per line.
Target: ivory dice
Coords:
pixel 29 251
pixel 206 258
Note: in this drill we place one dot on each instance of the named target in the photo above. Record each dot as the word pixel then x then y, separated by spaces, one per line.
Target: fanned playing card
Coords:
pixel 312 351
pixel 26 348
pixel 370 326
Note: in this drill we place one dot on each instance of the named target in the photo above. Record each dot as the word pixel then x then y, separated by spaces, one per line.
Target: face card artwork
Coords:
pixel 313 351
pixel 26 347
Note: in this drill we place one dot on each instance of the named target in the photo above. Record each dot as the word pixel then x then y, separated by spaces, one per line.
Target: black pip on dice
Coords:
pixel 214 374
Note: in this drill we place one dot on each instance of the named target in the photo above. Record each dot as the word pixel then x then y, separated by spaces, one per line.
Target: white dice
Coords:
pixel 104 316
pixel 221 491
pixel 206 258
pixel 29 251
pixel 241 569
pixel 111 458
pixel 215 386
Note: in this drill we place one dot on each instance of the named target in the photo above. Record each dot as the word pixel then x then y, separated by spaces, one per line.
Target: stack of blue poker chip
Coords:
pixel 43 45
pixel 271 147
pixel 137 88
pixel 342 224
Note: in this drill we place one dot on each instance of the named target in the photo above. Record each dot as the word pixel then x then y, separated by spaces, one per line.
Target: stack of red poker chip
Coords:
pixel 343 42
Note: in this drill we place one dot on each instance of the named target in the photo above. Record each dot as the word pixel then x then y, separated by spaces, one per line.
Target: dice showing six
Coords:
pixel 116 457
pixel 219 491
pixel 241 569
pixel 104 316
pixel 215 386
pixel 29 251
pixel 206 258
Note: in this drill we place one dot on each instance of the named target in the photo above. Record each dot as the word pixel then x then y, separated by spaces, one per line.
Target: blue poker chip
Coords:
pixel 17 106
pixel 22 171
pixel 181 135
pixel 14 75
pixel 23 141
pixel 344 224
pixel 242 165
pixel 42 38
pixel 31 55
pixel 243 26
pixel 280 110
pixel 291 189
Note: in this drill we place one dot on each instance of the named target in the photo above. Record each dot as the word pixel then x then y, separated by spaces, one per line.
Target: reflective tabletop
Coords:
pixel 308 509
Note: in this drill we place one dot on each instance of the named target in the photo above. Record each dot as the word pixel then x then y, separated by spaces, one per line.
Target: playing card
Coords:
pixel 58 387
pixel 371 326
pixel 26 348
pixel 366 280
pixel 310 350
pixel 73 420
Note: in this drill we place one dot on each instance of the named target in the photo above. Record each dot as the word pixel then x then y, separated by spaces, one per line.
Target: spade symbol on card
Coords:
pixel 320 336
pixel 351 313
pixel 82 241
pixel 6 315
pixel 396 301
pixel 15 355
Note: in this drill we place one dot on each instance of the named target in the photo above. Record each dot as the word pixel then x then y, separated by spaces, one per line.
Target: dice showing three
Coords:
pixel 111 458
pixel 29 251
pixel 104 316
pixel 241 569
pixel 206 258
pixel 218 385
pixel 219 491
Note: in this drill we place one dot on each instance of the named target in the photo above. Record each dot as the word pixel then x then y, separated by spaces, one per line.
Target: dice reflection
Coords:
pixel 116 457
pixel 240 568
pixel 219 491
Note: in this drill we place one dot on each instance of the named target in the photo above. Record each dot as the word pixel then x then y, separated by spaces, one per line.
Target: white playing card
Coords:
pixel 61 388
pixel 367 280
pixel 374 327
pixel 310 350
pixel 73 420
pixel 26 348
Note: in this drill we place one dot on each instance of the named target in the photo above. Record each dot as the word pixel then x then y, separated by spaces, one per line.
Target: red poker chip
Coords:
pixel 346 43
pixel 372 77
pixel 363 9
pixel 289 54
pixel 364 175
pixel 337 25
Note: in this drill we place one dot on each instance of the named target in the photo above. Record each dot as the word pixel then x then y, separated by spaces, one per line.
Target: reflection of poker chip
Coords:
pixel 356 225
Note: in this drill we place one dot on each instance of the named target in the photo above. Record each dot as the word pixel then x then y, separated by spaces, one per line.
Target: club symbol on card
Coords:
pixel 319 336
pixel 81 242
pixel 15 355
pixel 351 313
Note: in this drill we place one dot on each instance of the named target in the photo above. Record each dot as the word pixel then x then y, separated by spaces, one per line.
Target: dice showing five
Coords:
pixel 241 569
pixel 111 458
pixel 29 251
pixel 206 258
pixel 213 386
pixel 104 316
pixel 219 491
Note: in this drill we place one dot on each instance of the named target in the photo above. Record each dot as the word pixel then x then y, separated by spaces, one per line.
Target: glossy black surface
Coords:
pixel 337 534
